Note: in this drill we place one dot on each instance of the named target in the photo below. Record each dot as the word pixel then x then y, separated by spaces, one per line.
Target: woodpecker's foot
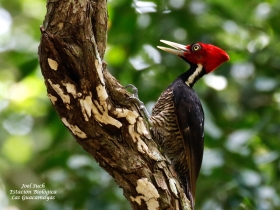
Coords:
pixel 134 91
pixel 135 99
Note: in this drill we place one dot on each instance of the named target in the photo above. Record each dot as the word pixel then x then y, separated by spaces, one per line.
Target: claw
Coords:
pixel 134 97
pixel 134 90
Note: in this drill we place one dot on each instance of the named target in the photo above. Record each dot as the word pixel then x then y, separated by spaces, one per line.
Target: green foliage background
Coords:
pixel 241 166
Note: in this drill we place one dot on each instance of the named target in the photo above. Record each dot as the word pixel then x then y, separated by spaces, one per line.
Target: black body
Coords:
pixel 178 127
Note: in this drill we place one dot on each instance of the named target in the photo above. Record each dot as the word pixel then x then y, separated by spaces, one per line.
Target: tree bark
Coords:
pixel 96 108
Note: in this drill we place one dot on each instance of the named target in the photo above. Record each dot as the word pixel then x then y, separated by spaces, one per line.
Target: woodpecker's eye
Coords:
pixel 196 47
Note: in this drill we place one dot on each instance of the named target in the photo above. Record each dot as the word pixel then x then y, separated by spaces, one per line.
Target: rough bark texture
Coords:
pixel 96 108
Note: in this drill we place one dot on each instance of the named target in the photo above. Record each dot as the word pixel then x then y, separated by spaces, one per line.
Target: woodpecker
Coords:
pixel 177 118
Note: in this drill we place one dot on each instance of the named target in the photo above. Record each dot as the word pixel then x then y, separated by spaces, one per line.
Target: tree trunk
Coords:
pixel 96 108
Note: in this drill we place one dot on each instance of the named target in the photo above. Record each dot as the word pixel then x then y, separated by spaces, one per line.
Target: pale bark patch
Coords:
pixel 74 128
pixel 149 194
pixel 53 64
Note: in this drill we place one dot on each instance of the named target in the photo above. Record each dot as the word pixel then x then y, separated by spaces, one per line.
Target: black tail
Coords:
pixel 186 186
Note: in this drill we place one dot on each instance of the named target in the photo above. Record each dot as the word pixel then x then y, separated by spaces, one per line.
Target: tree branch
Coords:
pixel 96 109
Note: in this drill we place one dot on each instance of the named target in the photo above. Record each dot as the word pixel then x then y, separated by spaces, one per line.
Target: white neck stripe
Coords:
pixel 197 71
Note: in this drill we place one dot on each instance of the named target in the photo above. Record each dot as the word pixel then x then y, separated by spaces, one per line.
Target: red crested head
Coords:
pixel 207 55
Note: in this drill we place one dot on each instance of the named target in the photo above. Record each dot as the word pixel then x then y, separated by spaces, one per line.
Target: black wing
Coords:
pixel 190 118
